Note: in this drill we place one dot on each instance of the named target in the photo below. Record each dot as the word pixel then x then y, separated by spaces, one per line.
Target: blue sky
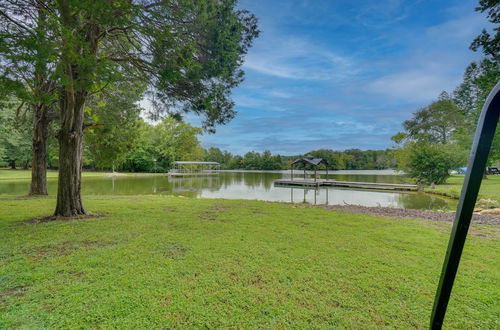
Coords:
pixel 342 74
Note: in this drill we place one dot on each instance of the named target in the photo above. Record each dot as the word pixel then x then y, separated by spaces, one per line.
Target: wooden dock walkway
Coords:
pixel 350 184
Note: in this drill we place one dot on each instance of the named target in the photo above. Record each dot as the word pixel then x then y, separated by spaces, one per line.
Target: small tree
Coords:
pixel 427 163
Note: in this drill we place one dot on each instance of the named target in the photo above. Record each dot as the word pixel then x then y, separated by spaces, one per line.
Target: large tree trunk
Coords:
pixel 69 199
pixel 76 57
pixel 40 154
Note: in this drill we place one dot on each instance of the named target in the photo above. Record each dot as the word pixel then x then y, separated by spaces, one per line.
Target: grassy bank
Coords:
pixel 489 195
pixel 159 262
pixel 8 174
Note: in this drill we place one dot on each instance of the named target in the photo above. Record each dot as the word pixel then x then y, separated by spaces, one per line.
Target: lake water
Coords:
pixel 255 185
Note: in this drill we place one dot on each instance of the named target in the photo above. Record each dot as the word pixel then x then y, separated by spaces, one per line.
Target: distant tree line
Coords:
pixel 134 145
pixel 351 159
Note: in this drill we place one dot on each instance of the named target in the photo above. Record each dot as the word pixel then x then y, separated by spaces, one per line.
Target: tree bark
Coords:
pixel 69 199
pixel 40 154
pixel 77 52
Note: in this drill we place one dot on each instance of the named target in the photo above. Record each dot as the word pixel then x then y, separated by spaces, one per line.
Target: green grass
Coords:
pixel 160 262
pixel 9 174
pixel 489 194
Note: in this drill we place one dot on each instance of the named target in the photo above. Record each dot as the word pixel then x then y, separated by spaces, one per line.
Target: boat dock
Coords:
pixel 348 184
pixel 185 174
pixel 184 168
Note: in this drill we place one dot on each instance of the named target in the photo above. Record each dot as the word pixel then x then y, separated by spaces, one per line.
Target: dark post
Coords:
pixel 291 168
pixel 477 162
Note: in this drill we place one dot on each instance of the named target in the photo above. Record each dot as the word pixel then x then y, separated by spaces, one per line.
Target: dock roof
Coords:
pixel 310 161
pixel 184 162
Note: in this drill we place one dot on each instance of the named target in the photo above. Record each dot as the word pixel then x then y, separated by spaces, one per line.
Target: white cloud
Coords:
pixel 460 30
pixel 295 58
pixel 430 63
pixel 384 13
pixel 412 85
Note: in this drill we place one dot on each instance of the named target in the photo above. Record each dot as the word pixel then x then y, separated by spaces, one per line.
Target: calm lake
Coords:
pixel 255 185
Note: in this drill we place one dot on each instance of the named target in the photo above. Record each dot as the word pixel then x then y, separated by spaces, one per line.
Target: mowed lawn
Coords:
pixel 489 194
pixel 159 262
pixel 9 174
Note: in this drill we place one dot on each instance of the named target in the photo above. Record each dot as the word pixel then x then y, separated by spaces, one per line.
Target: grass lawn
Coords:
pixel 489 195
pixel 159 262
pixel 8 174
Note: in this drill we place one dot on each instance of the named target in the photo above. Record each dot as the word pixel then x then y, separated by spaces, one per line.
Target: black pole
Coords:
pixel 477 162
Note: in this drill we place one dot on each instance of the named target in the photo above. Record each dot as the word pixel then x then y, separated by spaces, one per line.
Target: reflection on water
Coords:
pixel 252 185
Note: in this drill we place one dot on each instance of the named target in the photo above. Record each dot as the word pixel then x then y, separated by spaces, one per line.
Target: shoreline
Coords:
pixel 391 212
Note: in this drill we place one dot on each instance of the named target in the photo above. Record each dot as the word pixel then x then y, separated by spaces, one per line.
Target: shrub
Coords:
pixel 428 163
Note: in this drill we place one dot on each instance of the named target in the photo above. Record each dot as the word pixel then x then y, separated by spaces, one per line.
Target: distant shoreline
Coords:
pixel 388 171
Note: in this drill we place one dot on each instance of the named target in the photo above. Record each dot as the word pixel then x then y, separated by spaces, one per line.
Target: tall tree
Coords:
pixel 176 140
pixel 435 123
pixel 27 55
pixel 428 147
pixel 480 78
pixel 189 51
pixel 489 42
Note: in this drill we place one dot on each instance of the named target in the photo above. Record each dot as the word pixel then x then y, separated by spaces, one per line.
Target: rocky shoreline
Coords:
pixel 490 219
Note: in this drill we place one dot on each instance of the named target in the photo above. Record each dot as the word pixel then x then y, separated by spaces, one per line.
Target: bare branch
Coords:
pixel 13 21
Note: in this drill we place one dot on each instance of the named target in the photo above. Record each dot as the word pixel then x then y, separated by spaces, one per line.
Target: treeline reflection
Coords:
pixel 249 185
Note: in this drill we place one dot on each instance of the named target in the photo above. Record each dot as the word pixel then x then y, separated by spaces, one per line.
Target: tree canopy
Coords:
pixel 188 53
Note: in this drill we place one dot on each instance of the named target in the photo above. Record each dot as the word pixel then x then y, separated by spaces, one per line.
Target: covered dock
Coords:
pixel 193 168
pixel 311 161
pixel 316 182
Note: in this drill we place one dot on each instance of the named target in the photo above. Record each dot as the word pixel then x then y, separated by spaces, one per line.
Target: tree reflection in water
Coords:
pixel 249 185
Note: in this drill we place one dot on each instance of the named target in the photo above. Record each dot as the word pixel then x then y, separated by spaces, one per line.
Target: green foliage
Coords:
pixel 483 76
pixel 479 79
pixel 435 123
pixel 190 53
pixel 427 163
pixel 15 134
pixel 165 262
pixel 352 159
pixel 490 43
pixel 158 146
pixel 114 117
pixel 176 140
pixel 430 145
